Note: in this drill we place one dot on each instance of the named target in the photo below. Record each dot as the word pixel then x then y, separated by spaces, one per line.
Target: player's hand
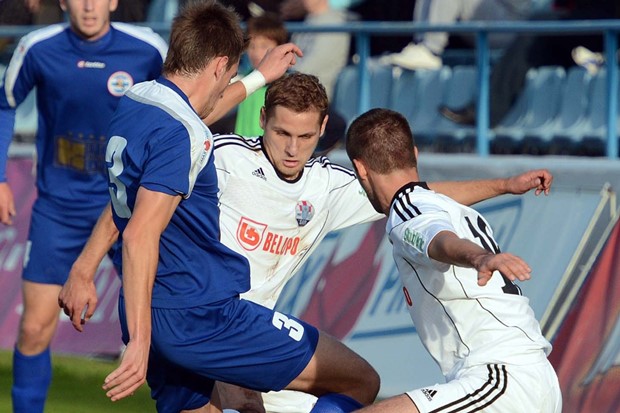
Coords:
pixel 278 60
pixel 511 266
pixel 130 374
pixel 539 179
pixel 78 298
pixel 7 204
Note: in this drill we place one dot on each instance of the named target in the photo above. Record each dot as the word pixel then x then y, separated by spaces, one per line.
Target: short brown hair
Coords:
pixel 268 25
pixel 382 139
pixel 202 31
pixel 298 92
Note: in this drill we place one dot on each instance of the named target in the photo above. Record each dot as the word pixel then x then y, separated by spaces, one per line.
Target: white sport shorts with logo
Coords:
pixel 494 388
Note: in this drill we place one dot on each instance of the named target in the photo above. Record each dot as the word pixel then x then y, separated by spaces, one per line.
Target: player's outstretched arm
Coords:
pixel 78 296
pixel 474 191
pixel 275 63
pixel 447 247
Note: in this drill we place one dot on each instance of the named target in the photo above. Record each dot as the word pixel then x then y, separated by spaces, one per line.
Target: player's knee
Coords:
pixel 34 337
pixel 371 382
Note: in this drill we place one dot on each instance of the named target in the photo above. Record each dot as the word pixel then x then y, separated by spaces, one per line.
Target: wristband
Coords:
pixel 253 82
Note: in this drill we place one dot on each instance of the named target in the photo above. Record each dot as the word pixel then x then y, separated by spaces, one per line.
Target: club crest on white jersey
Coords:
pixel 304 211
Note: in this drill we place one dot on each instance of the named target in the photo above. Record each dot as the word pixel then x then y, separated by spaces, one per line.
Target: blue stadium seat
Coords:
pixel 346 93
pixel 460 91
pixel 535 110
pixel 590 138
pixel 418 95
pixel 563 135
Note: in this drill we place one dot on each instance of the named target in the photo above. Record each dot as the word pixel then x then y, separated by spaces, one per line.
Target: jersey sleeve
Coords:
pixel 174 162
pixel 349 204
pixel 19 79
pixel 418 232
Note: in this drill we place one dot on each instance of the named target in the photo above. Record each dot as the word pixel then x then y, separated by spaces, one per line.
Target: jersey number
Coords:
pixel 114 162
pixel 295 330
pixel 488 243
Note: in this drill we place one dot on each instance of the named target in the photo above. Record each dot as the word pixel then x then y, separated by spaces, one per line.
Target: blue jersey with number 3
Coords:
pixel 157 141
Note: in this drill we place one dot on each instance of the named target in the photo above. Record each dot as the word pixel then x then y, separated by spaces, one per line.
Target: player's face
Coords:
pixel 258 48
pixel 290 138
pixel 89 18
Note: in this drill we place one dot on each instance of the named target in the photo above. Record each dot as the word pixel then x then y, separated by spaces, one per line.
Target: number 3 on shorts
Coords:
pixel 295 330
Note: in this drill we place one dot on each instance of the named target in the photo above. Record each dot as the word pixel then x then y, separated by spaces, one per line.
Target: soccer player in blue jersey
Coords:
pixel 181 316
pixel 79 70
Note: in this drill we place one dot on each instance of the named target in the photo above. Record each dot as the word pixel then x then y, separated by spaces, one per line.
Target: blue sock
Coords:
pixel 335 403
pixel 31 379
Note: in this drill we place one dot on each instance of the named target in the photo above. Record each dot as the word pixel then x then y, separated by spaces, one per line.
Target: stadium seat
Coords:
pixel 562 136
pixel 535 109
pixel 460 90
pixel 418 95
pixel 346 93
pixel 590 138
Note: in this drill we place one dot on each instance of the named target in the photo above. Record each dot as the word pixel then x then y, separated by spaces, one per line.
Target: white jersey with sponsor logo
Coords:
pixel 460 323
pixel 276 223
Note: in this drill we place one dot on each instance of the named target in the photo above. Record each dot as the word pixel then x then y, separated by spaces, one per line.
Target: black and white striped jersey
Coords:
pixel 460 323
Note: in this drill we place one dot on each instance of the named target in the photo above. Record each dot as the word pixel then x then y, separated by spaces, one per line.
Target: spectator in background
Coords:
pixel 426 51
pixel 325 54
pixel 529 50
pixel 80 71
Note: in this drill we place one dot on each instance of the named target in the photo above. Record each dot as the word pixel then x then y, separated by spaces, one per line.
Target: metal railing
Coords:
pixel 363 31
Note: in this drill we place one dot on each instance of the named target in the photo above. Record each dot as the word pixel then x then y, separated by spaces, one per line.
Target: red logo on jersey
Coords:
pixel 207 145
pixel 407 297
pixel 251 234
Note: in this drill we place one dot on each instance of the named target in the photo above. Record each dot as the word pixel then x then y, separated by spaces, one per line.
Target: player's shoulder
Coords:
pixel 323 165
pixel 233 142
pixel 40 36
pixel 143 34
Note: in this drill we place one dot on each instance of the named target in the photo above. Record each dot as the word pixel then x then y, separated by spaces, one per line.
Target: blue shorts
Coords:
pixel 55 239
pixel 236 341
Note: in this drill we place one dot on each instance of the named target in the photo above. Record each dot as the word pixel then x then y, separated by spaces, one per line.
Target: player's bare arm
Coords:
pixel 78 296
pixel 447 247
pixel 7 204
pixel 275 63
pixel 474 191
pixel 150 216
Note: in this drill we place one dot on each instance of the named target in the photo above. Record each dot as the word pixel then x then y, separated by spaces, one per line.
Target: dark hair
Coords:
pixel 268 25
pixel 201 32
pixel 298 92
pixel 382 139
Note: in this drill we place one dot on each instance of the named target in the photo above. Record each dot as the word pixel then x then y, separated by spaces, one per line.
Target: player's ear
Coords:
pixel 113 5
pixel 263 118
pixel 323 125
pixel 360 169
pixel 63 5
pixel 221 66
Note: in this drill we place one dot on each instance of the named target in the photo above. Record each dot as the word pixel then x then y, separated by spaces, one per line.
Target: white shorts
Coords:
pixel 288 401
pixel 494 388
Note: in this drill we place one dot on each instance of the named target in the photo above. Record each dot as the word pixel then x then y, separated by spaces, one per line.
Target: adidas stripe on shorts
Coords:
pixel 494 388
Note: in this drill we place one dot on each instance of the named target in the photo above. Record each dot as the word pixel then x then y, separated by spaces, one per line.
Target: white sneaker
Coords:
pixel 588 59
pixel 416 56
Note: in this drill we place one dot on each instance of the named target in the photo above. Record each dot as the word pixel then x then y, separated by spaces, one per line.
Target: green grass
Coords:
pixel 76 387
